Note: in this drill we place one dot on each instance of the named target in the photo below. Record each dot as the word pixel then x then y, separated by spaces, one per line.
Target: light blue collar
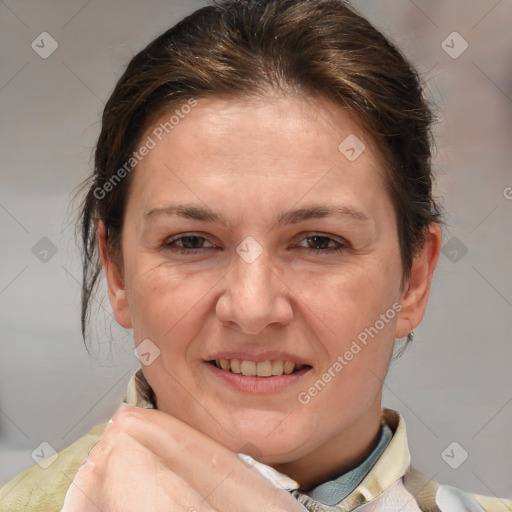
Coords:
pixel 332 492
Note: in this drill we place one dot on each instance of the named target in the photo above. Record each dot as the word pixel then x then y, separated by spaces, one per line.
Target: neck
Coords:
pixel 340 454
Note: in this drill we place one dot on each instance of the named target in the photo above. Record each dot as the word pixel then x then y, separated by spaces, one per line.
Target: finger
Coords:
pixel 214 471
pixel 123 476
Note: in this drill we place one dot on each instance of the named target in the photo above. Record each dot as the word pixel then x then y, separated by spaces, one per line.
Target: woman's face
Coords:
pixel 230 253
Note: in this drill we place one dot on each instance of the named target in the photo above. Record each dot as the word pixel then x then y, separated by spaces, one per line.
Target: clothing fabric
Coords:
pixel 336 490
pixel 384 482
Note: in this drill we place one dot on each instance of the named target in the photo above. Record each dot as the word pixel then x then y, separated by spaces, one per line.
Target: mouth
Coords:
pixel 264 369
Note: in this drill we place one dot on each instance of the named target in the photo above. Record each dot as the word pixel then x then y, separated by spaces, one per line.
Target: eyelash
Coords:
pixel 169 245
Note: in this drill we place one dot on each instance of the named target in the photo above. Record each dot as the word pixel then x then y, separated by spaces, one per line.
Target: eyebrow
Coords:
pixel 294 216
pixel 187 212
pixel 319 211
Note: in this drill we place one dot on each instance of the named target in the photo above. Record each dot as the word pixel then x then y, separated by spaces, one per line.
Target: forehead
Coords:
pixel 266 146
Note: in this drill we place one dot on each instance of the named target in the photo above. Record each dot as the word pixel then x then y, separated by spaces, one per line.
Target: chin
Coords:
pixel 266 441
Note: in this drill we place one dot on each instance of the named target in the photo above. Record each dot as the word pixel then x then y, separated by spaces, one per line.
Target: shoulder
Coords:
pixel 415 492
pixel 43 490
pixel 397 485
pixel 433 496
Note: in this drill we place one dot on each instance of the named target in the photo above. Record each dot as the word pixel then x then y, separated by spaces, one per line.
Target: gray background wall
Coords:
pixel 454 384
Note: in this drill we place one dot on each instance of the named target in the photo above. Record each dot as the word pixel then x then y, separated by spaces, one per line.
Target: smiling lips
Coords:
pixel 266 368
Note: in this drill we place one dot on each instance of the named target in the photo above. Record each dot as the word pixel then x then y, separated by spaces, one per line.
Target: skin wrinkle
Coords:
pixel 285 300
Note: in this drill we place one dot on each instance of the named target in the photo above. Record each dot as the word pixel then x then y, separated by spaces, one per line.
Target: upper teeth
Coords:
pixel 261 369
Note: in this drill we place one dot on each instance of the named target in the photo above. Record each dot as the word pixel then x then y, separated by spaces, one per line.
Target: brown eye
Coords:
pixel 318 242
pixel 193 242
pixel 187 244
pixel 322 244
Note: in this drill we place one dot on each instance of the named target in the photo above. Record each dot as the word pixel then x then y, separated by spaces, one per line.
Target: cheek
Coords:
pixel 345 301
pixel 161 299
pixel 354 317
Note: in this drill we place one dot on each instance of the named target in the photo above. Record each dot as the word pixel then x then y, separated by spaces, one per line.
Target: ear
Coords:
pixel 417 290
pixel 115 284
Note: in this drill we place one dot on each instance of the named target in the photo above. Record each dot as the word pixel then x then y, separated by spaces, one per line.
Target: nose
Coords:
pixel 255 296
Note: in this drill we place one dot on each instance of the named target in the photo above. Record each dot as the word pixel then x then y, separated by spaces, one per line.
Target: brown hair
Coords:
pixel 238 48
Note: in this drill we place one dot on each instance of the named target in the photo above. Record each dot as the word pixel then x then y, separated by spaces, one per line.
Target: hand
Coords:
pixel 149 460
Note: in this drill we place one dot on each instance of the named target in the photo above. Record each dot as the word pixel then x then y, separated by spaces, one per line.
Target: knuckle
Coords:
pixel 99 452
pixel 127 419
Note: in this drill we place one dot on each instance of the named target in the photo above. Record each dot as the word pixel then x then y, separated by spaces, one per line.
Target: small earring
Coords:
pixel 410 337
